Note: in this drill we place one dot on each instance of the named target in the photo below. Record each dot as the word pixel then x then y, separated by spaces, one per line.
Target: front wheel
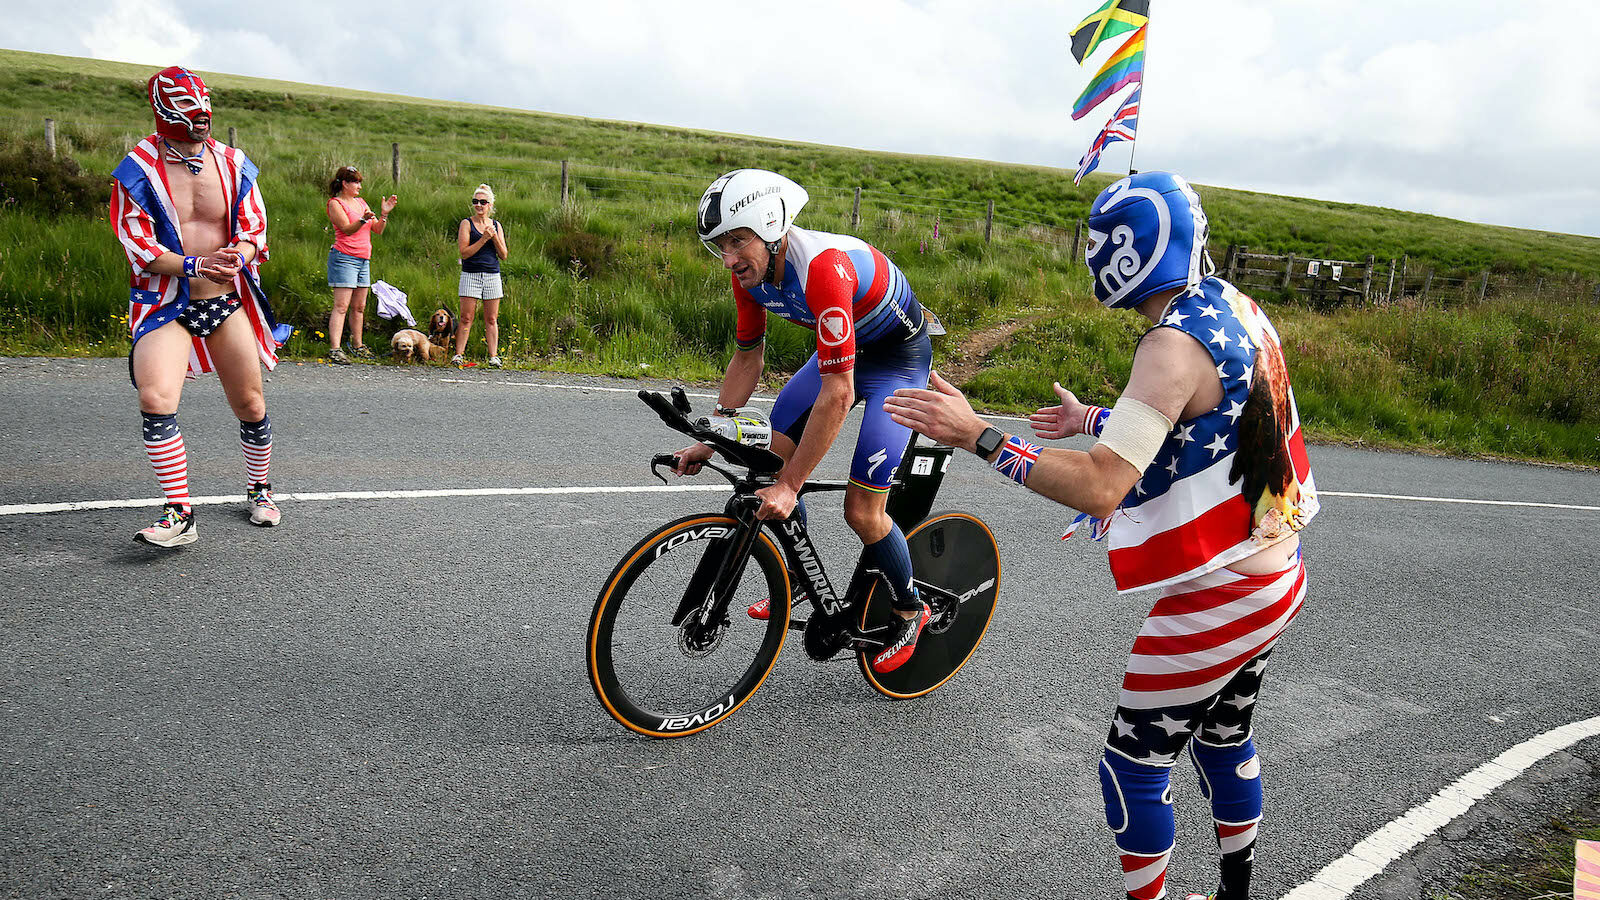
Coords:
pixel 658 663
pixel 956 559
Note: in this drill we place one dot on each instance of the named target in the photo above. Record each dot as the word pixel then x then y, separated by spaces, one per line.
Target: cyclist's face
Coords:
pixel 743 254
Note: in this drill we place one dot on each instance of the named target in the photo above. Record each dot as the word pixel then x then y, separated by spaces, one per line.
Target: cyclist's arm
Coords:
pixel 834 398
pixel 739 382
pixel 750 337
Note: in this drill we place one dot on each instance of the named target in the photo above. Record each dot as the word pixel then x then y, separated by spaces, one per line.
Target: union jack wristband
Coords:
pixel 1016 459
pixel 191 267
pixel 1094 420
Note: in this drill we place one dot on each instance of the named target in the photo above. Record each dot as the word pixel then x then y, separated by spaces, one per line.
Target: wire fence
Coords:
pixel 935 220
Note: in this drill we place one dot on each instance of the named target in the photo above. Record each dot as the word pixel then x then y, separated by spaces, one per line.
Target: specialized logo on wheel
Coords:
pixel 975 591
pixel 684 723
pixel 833 327
pixel 693 534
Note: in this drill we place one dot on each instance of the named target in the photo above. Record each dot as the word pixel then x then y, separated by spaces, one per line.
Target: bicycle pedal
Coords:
pixel 798 624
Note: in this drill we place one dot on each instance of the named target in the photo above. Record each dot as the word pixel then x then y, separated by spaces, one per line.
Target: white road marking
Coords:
pixel 322 496
pixel 1456 500
pixel 1340 878
pixel 73 506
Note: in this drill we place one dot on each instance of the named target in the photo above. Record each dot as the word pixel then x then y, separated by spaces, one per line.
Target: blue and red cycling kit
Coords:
pixel 867 321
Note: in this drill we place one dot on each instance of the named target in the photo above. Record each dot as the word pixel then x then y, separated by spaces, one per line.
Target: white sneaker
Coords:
pixel 494 362
pixel 174 529
pixel 263 511
pixel 456 360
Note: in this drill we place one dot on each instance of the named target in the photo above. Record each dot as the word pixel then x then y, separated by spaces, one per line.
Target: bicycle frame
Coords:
pixel 710 589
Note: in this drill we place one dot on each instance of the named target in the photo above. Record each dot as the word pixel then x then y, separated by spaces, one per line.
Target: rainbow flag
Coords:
pixel 1586 871
pixel 1125 67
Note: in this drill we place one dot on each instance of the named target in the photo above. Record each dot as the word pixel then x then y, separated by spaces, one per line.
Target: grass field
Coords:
pixel 614 282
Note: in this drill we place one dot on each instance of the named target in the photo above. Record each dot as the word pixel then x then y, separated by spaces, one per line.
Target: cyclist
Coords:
pixel 872 338
pixel 1208 510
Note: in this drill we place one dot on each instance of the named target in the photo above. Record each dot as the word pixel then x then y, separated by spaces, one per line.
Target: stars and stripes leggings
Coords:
pixel 1192 679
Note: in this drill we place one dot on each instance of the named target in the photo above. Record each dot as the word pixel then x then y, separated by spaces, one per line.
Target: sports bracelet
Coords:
pixel 1016 459
pixel 1094 420
pixel 191 267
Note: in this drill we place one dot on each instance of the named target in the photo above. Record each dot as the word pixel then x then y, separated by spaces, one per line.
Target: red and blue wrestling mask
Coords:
pixel 181 103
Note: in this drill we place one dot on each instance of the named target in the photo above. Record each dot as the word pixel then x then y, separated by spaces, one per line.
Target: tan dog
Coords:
pixel 410 344
pixel 442 328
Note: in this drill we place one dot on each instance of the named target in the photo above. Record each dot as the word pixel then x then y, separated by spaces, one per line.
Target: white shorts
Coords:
pixel 481 286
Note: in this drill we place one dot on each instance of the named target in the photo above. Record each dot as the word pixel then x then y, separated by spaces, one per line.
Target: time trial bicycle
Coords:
pixel 671 649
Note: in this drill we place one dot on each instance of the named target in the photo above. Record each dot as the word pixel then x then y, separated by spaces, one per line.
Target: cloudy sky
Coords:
pixel 1486 111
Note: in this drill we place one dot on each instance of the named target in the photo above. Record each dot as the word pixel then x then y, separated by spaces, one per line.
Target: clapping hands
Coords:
pixel 221 266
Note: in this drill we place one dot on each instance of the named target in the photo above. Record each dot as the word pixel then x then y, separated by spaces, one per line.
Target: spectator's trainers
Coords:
pixel 338 357
pixel 174 529
pixel 1210 896
pixel 263 511
pixel 905 643
pixel 494 362
pixel 362 352
pixel 456 360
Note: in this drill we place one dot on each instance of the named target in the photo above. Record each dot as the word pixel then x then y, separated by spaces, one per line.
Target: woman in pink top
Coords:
pixel 349 260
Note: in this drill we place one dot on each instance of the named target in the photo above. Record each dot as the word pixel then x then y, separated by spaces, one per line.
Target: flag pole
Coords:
pixel 1134 144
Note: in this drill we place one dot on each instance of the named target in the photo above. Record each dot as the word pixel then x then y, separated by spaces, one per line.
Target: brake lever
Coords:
pixel 663 459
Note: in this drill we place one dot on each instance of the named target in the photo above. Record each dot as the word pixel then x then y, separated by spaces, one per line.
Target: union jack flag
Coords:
pixel 1017 458
pixel 1122 126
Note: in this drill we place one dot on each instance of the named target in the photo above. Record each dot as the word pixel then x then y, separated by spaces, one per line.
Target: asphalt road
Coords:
pixel 386 697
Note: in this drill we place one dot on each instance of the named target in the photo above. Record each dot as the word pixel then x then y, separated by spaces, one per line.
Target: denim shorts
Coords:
pixel 346 271
pixel 481 286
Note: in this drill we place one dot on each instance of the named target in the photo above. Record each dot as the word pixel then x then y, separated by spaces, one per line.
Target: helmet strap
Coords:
pixel 773 248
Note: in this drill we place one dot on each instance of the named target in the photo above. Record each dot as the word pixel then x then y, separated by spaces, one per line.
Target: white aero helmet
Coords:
pixel 764 202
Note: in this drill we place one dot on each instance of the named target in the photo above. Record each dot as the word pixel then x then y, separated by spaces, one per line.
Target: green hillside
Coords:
pixel 615 283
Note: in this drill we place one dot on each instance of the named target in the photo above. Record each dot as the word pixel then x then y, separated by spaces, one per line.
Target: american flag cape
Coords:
pixel 1187 516
pixel 146 223
pixel 1122 126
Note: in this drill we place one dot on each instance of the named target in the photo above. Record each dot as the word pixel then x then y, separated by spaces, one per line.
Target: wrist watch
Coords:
pixel 989 442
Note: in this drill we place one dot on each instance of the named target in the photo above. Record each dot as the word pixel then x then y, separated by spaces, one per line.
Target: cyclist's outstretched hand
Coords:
pixel 1057 422
pixel 940 412
pixel 690 458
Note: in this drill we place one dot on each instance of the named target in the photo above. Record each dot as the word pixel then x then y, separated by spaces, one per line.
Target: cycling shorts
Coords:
pixel 879 372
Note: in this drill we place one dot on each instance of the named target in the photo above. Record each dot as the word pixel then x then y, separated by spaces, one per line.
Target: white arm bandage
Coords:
pixel 1135 432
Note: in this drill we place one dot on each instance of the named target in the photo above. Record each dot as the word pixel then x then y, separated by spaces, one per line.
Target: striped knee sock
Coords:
pixel 163 446
pixel 256 440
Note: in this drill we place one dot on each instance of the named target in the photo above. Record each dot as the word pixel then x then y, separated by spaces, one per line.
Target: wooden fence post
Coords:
pixel 1388 292
pixel 394 165
pixel 988 223
pixel 1483 286
pixel 855 209
pixel 1538 288
pixel 233 136
pixel 50 136
pixel 1427 283
pixel 1077 235
pixel 563 184
pixel 1366 282
pixel 1288 270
